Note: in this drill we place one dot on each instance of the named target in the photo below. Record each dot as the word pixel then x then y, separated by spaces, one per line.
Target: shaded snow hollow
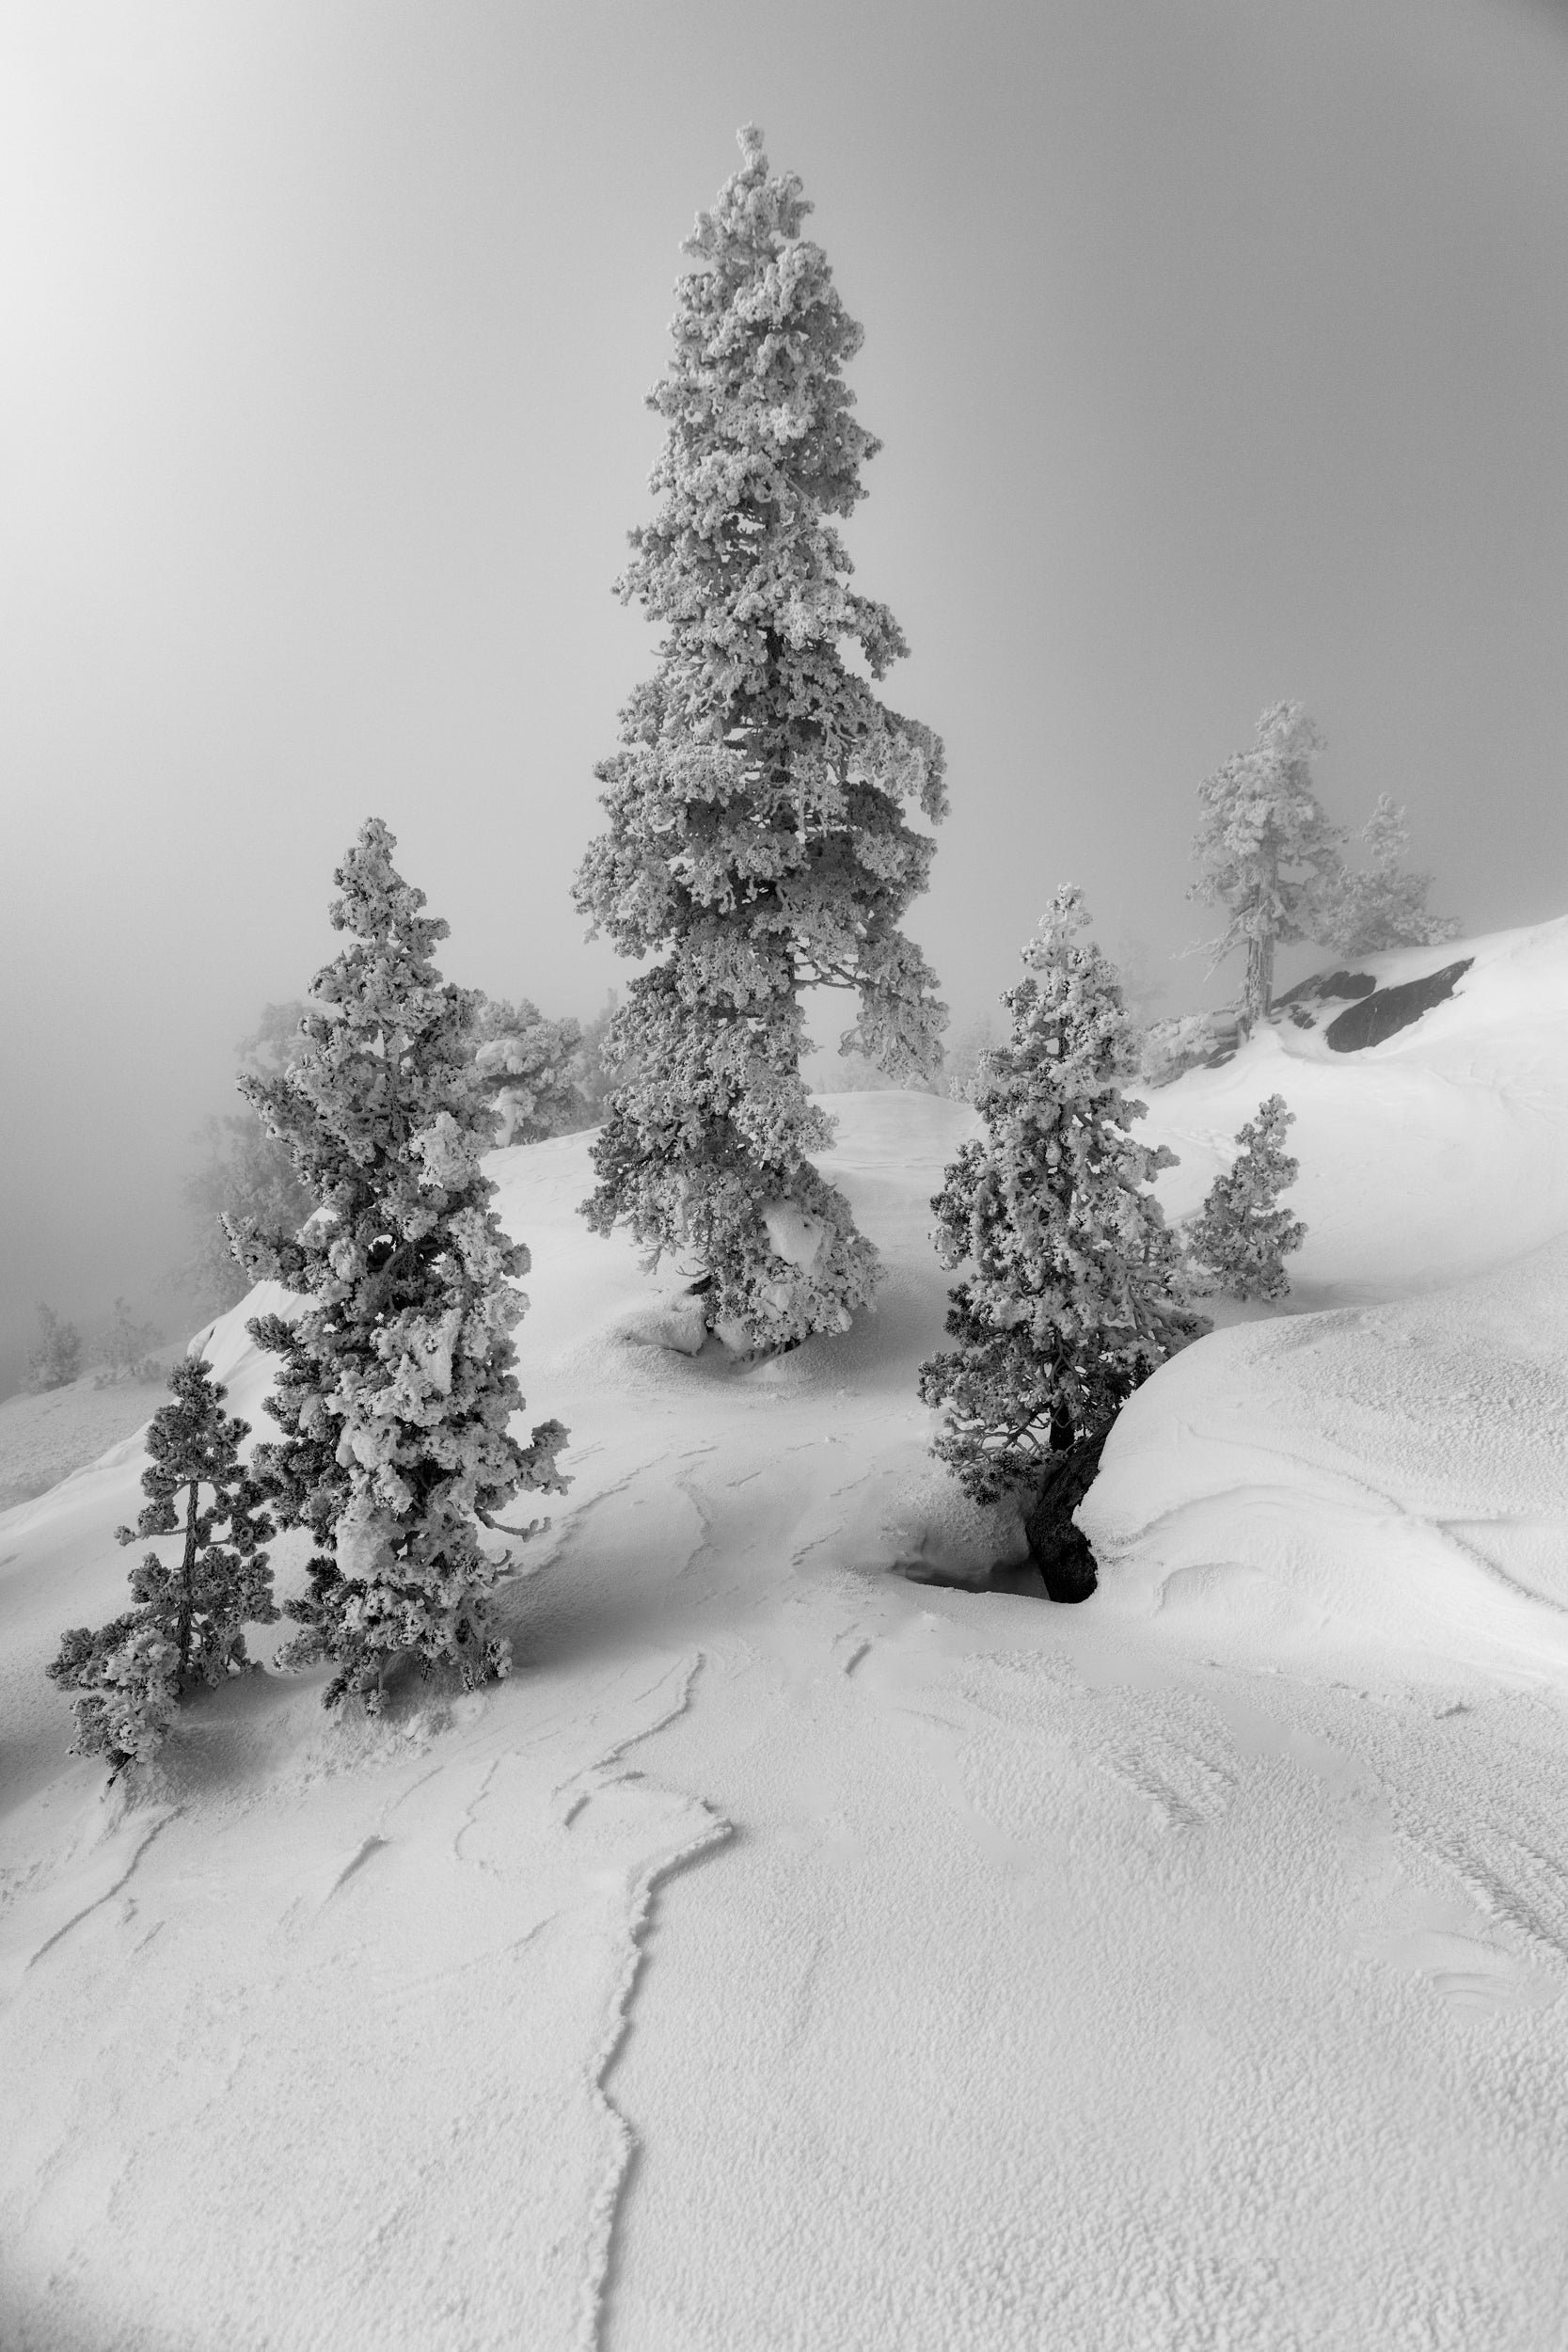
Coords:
pixel 792 1955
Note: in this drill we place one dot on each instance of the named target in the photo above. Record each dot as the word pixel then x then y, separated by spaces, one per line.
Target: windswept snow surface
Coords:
pixel 793 1954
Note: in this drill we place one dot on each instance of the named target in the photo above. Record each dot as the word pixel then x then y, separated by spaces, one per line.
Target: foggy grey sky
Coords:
pixel 1219 350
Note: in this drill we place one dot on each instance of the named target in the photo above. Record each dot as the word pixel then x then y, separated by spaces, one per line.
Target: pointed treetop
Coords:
pixel 376 902
pixel 1289 731
pixel 771 207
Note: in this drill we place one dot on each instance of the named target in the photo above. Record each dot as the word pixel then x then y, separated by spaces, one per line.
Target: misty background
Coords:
pixel 1219 351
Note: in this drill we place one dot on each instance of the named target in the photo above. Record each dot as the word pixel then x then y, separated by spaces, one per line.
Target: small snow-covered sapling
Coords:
pixel 1075 1285
pixel 1241 1236
pixel 127 1676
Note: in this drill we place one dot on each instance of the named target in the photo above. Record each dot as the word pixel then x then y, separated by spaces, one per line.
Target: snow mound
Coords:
pixel 1381 1490
pixel 1439 1153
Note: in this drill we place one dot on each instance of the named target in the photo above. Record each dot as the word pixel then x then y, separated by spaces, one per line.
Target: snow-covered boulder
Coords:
pixel 677 1321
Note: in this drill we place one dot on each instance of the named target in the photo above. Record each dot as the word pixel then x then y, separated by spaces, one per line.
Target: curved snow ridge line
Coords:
pixel 705 1520
pixel 569 1525
pixel 1342 1473
pixel 586 1778
pixel 1444 1529
pixel 19 1960
pixel 644 1886
pixel 602 2218
pixel 1282 1502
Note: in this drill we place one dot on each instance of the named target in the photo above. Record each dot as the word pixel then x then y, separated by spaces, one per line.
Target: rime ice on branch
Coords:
pixel 757 838
pixel 1073 1291
pixel 397 1384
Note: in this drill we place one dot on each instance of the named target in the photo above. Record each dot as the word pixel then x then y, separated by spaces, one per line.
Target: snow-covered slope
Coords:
pixel 1440 1152
pixel 793 1954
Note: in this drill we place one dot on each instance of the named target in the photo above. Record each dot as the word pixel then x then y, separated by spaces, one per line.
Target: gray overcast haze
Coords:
pixel 1220 354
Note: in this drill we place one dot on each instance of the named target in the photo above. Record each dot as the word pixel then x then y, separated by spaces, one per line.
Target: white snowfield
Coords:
pixel 791 1954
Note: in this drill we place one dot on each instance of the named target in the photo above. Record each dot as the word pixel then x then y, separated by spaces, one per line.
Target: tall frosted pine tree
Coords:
pixel 757 842
pixel 1072 1290
pixel 396 1385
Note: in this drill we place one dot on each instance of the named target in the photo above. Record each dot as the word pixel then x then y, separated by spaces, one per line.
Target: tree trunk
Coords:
pixel 187 1582
pixel 1258 993
pixel 1059 1549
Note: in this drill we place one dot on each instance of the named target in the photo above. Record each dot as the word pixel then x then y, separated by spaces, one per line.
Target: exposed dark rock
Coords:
pixel 1322 984
pixel 1390 1009
pixel 1060 1550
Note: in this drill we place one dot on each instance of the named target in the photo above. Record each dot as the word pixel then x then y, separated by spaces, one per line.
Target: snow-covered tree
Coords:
pixel 1241 1236
pixel 965 1057
pixel 530 1068
pixel 189 1623
pixel 397 1384
pixel 247 1178
pixel 1143 984
pixel 1385 905
pixel 597 1074
pixel 757 842
pixel 124 1351
pixel 1266 850
pixel 56 1361
pixel 1074 1289
pixel 125 1685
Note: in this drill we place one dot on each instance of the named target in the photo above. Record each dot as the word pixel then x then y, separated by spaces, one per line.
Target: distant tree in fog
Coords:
pixel 124 1351
pixel 599 1071
pixel 1385 905
pixel 532 1070
pixel 249 1176
pixel 56 1361
pixel 965 1058
pixel 1266 850
pixel 1142 986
